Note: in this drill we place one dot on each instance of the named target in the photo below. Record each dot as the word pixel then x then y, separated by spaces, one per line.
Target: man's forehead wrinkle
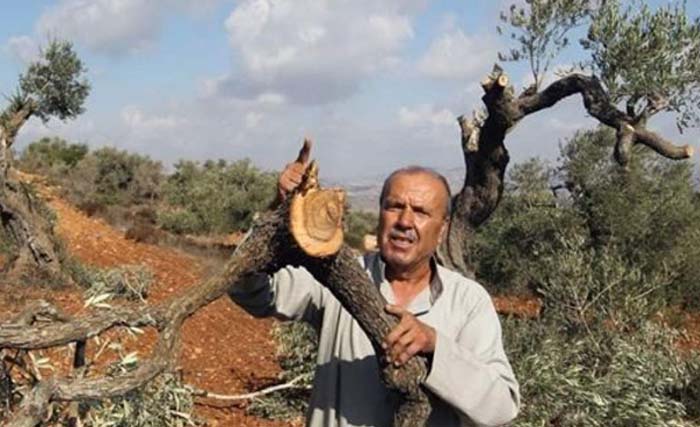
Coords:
pixel 414 192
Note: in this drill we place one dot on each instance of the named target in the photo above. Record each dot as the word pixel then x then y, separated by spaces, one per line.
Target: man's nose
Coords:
pixel 406 218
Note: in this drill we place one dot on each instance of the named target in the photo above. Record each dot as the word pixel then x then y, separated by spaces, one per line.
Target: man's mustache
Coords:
pixel 409 234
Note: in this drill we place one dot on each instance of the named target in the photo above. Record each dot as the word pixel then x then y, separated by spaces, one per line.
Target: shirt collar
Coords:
pixel 423 301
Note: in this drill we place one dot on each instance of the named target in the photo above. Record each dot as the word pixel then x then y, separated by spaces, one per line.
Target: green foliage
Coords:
pixel 646 218
pixel 109 176
pixel 52 157
pixel 55 82
pixel 607 253
pixel 647 58
pixel 541 31
pixel 297 344
pixel 638 53
pixel 129 281
pixel 357 225
pixel 647 214
pixel 605 378
pixel 529 218
pixel 215 197
pixel 163 402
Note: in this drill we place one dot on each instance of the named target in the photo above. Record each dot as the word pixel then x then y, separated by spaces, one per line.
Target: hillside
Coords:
pixel 225 350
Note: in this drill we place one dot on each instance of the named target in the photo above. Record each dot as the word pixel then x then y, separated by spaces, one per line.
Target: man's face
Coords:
pixel 411 220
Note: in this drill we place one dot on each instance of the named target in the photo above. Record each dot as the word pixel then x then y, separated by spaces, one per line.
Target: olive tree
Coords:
pixel 52 86
pixel 638 62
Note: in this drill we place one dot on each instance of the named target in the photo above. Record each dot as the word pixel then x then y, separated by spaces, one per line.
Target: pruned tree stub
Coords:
pixel 316 217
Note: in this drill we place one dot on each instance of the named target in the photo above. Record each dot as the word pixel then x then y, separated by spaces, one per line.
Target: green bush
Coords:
pixel 215 197
pixel 647 215
pixel 51 157
pixel 113 176
pixel 357 225
pixel 606 378
pixel 296 353
pixel 528 220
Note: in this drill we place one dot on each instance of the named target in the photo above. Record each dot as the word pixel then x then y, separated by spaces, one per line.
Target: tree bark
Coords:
pixel 26 222
pixel 486 157
pixel 23 217
pixel 267 247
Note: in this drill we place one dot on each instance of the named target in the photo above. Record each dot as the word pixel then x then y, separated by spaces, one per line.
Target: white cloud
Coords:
pixel 456 56
pixel 252 119
pixel 271 98
pixel 113 27
pixel 426 114
pixel 313 51
pixel 24 48
pixel 106 26
pixel 137 121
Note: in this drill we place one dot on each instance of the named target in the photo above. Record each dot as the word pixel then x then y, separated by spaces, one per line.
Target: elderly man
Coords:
pixel 443 315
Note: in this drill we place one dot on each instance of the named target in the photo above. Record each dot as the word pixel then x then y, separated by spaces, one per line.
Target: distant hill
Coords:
pixel 363 192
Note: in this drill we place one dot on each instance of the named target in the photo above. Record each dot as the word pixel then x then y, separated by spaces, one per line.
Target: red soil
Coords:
pixel 224 351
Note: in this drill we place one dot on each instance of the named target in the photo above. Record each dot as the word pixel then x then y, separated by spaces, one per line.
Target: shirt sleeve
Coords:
pixel 289 294
pixel 472 373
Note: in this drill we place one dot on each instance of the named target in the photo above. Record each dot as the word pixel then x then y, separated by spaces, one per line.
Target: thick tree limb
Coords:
pixel 15 120
pixel 267 247
pixel 486 157
pixel 348 282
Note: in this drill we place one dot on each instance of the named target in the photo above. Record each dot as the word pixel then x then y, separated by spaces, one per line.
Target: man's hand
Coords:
pixel 291 176
pixel 408 338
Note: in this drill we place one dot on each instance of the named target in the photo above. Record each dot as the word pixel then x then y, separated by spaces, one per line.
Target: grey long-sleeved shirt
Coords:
pixel 470 380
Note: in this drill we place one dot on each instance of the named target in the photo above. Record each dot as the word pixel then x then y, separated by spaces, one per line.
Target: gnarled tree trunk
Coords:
pixel 24 218
pixel 486 157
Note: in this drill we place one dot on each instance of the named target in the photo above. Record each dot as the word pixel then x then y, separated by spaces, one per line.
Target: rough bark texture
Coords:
pixel 27 223
pixel 339 271
pixel 486 157
pixel 22 216
pixel 349 283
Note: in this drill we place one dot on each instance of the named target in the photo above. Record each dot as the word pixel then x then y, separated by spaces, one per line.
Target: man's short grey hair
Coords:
pixel 414 170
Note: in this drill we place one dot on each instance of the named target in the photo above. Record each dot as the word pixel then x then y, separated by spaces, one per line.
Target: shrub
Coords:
pixel 507 249
pixel 108 176
pixel 297 344
pixel 646 215
pixel 357 225
pixel 52 157
pixel 607 378
pixel 215 197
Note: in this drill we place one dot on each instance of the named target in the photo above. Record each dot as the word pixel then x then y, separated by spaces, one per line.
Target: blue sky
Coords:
pixel 376 85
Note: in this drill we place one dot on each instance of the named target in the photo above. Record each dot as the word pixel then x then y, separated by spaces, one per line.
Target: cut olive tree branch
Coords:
pixel 305 230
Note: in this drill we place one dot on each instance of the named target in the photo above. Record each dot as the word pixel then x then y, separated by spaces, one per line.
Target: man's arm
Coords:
pixel 471 371
pixel 290 294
